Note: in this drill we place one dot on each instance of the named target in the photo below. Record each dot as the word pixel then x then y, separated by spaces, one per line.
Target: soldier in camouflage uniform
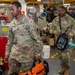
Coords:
pixel 66 21
pixel 24 42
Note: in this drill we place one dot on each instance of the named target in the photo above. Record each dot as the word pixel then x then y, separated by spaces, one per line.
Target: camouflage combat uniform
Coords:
pixel 24 43
pixel 65 22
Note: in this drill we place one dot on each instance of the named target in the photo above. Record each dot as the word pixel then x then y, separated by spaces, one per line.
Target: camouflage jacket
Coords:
pixel 66 22
pixel 23 40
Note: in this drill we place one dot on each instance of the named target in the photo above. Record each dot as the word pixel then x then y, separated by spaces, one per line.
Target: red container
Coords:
pixel 3 42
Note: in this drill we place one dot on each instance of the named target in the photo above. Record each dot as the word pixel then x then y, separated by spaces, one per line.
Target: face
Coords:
pixel 14 10
pixel 61 12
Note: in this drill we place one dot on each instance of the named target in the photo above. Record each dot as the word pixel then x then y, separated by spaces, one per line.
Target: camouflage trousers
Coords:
pixel 14 66
pixel 64 57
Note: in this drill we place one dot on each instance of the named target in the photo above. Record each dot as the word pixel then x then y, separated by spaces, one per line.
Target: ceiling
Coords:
pixel 46 0
pixel 43 1
pixel 8 0
pixel 49 1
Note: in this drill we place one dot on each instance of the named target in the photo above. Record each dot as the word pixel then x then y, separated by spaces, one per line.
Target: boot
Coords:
pixel 72 53
pixel 67 72
pixel 61 70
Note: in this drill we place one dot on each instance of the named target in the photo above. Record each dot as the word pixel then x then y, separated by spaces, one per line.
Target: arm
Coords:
pixel 36 37
pixel 10 42
pixel 9 45
pixel 71 30
pixel 55 28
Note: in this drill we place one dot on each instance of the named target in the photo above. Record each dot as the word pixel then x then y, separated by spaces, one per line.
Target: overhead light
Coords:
pixel 38 0
pixel 66 4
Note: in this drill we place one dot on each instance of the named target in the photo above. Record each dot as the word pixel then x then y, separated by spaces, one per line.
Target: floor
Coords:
pixel 54 63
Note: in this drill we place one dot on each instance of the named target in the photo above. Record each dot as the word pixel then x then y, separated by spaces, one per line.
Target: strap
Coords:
pixel 61 28
pixel 35 62
pixel 60 24
pixel 40 71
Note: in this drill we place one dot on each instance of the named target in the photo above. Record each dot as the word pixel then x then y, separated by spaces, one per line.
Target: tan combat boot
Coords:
pixel 61 70
pixel 67 72
pixel 72 53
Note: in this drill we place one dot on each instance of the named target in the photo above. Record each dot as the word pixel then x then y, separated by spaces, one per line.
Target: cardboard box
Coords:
pixel 50 41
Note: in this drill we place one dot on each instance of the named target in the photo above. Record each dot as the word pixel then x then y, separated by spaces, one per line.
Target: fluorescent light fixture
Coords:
pixel 66 4
pixel 38 0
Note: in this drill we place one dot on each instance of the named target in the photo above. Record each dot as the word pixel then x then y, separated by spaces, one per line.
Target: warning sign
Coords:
pixel 4 29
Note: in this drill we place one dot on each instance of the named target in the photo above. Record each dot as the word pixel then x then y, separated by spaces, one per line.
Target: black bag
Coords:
pixel 62 40
pixel 46 67
pixel 1 69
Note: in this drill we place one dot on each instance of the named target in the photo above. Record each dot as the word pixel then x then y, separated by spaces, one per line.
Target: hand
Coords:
pixel 69 37
pixel 58 33
pixel 6 59
pixel 37 58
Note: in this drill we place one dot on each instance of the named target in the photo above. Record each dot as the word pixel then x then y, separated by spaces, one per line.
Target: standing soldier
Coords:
pixel 24 42
pixel 66 21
